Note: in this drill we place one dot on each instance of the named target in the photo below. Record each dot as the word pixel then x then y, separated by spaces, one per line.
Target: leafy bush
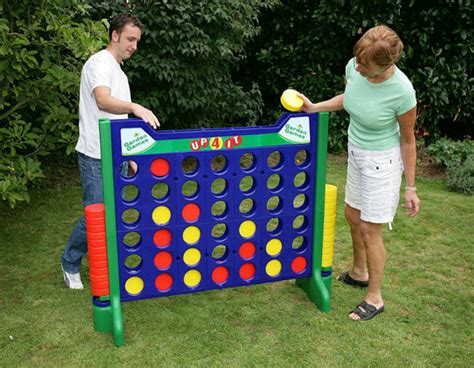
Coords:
pixel 182 69
pixel 305 44
pixel 42 47
pixel 461 176
pixel 217 63
pixel 449 152
pixel 458 158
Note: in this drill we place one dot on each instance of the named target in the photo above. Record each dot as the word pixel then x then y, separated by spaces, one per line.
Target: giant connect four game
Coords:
pixel 192 210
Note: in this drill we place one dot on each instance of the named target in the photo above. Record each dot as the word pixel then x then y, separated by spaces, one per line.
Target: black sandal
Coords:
pixel 366 311
pixel 347 279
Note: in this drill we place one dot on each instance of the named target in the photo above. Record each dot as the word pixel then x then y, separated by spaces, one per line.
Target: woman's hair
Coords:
pixel 380 45
pixel 119 22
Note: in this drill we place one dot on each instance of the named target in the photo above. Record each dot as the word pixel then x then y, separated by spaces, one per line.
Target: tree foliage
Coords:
pixel 42 47
pixel 217 63
pixel 305 44
pixel 183 67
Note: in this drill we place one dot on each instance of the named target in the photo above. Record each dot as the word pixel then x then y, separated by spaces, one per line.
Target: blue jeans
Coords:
pixel 90 170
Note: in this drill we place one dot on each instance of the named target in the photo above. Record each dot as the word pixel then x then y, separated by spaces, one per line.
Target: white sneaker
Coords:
pixel 72 280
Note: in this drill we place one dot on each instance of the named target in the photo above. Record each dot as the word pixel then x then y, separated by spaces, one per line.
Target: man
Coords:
pixel 104 93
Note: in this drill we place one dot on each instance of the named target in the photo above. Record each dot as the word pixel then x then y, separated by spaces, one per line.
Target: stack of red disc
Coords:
pixel 97 249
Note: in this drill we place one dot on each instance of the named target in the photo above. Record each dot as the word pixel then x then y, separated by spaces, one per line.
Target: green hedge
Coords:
pixel 217 63
pixel 458 159
pixel 183 67
pixel 42 47
pixel 305 44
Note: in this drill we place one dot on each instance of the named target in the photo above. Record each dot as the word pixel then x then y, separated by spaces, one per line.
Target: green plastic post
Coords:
pixel 316 287
pixel 102 318
pixel 109 202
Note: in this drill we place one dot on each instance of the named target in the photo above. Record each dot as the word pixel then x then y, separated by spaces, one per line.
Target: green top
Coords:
pixel 374 108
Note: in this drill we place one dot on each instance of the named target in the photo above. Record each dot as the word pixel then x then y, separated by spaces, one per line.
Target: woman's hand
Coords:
pixel 412 203
pixel 308 106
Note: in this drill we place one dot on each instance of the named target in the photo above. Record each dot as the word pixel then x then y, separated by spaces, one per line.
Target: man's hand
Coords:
pixel 112 105
pixel 132 168
pixel 146 115
pixel 412 203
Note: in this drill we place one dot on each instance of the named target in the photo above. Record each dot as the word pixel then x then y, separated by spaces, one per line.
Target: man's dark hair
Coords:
pixel 121 20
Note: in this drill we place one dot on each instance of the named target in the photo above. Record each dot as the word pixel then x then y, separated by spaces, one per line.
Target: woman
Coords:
pixel 381 103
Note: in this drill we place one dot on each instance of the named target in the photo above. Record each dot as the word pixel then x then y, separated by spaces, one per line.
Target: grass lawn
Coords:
pixel 428 293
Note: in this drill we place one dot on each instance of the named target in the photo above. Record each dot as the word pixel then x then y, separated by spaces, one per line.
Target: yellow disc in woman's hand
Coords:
pixel 291 101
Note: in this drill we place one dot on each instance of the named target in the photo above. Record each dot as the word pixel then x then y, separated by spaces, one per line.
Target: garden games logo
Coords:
pixel 296 130
pixel 135 140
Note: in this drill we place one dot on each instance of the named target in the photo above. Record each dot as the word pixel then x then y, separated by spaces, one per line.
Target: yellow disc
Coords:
pixel 192 278
pixel 273 268
pixel 274 247
pixel 331 190
pixel 161 215
pixel 192 257
pixel 191 235
pixel 328 228
pixel 291 101
pixel 247 229
pixel 134 285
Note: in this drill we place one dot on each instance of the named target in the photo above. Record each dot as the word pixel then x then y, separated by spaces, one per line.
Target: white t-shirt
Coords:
pixel 101 69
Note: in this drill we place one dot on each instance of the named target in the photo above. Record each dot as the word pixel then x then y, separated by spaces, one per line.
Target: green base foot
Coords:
pixel 318 291
pixel 102 318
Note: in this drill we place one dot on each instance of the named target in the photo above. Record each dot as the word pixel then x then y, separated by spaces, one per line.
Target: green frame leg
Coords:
pixel 317 287
pixel 109 318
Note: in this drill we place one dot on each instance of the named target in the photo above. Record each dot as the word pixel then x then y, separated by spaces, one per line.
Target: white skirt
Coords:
pixel 373 183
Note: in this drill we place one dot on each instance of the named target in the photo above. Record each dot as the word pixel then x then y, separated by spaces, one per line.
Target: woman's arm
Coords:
pixel 408 149
pixel 334 104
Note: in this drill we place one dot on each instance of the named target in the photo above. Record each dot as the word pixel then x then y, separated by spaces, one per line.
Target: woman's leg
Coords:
pixel 375 252
pixel 359 270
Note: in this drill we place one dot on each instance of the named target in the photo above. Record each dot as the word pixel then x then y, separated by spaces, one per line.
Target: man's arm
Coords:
pixel 408 149
pixel 106 102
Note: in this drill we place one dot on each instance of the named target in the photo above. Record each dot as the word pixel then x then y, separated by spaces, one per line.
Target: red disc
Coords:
pixel 101 257
pixel 164 282
pixel 160 167
pixel 247 250
pixel 95 210
pixel 191 212
pixel 162 238
pixel 96 236
pixel 99 278
pixel 96 245
pixel 247 271
pixel 96 265
pixel 163 260
pixel 95 228
pixel 220 275
pixel 95 221
pixel 299 264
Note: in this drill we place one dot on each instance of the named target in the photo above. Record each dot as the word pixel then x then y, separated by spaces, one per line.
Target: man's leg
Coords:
pixel 76 247
pixel 375 253
pixel 359 270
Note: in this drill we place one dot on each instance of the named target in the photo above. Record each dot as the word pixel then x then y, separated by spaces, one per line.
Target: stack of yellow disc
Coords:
pixel 291 101
pixel 329 225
